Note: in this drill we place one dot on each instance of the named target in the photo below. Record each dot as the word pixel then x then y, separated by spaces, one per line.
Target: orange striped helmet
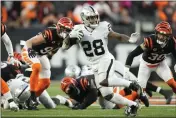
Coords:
pixel 66 23
pixel 17 56
pixel 163 28
pixel 66 81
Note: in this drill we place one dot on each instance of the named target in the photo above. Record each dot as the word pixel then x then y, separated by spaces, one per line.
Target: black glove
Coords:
pixel 31 53
pixel 77 106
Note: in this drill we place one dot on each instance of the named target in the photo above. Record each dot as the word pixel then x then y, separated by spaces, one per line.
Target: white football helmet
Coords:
pixel 72 71
pixel 86 70
pixel 90 17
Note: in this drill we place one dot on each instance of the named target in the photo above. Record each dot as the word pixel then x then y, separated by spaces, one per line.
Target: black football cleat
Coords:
pixel 144 99
pixel 168 96
pixel 131 111
pixel 32 104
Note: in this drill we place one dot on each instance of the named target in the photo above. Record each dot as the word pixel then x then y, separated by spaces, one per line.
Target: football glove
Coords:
pixel 175 68
pixel 77 106
pixel 76 34
pixel 134 37
pixel 65 44
pixel 14 61
pixel 31 53
pixel 13 106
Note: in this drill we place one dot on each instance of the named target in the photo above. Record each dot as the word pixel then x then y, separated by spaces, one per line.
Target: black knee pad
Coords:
pixel 109 97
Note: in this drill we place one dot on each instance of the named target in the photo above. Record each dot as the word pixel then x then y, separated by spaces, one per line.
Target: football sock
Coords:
pixel 151 87
pixel 172 84
pixel 42 85
pixel 4 87
pixel 34 76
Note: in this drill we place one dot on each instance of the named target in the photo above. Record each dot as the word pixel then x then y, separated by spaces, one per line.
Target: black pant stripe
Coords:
pixel 109 68
pixel 119 73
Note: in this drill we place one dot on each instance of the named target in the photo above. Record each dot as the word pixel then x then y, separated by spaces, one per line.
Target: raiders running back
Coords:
pixel 94 42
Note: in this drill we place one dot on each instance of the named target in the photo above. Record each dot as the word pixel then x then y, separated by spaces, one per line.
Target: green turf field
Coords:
pixel 92 111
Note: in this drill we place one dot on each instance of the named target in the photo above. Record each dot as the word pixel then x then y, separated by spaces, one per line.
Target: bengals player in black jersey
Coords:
pixel 154 49
pixel 82 90
pixel 35 52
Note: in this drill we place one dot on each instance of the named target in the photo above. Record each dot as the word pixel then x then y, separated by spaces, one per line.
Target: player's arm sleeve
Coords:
pixel 8 44
pixel 90 98
pixel 133 54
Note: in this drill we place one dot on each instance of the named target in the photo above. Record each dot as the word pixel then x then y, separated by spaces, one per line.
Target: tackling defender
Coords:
pixel 35 52
pixel 154 50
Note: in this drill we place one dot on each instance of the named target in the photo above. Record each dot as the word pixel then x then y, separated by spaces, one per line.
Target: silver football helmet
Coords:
pixel 86 70
pixel 90 17
pixel 72 71
pixel 21 94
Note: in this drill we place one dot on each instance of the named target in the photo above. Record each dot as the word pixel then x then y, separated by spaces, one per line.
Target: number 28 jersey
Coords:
pixel 94 43
pixel 154 53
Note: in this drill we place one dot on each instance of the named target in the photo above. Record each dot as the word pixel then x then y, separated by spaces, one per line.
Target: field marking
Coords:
pixel 164 105
pixel 66 116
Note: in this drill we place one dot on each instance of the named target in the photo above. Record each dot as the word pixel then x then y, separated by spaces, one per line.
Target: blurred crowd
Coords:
pixel 43 13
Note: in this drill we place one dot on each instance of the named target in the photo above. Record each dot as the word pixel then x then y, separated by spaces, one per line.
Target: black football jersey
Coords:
pixel 53 42
pixel 84 85
pixel 8 71
pixel 3 29
pixel 154 53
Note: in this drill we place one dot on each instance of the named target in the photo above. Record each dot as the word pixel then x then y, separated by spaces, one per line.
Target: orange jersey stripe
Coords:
pixel 147 43
pixel 2 29
pixel 151 43
pixel 174 39
pixel 82 84
pixel 50 33
pixel 47 34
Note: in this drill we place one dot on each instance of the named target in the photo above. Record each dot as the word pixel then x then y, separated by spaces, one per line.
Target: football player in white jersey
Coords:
pixel 92 37
pixel 19 88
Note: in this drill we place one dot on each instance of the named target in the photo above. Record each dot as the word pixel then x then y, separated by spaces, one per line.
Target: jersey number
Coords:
pixel 157 57
pixel 97 48
pixel 47 50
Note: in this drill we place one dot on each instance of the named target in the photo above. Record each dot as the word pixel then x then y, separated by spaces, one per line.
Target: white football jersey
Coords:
pixel 94 44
